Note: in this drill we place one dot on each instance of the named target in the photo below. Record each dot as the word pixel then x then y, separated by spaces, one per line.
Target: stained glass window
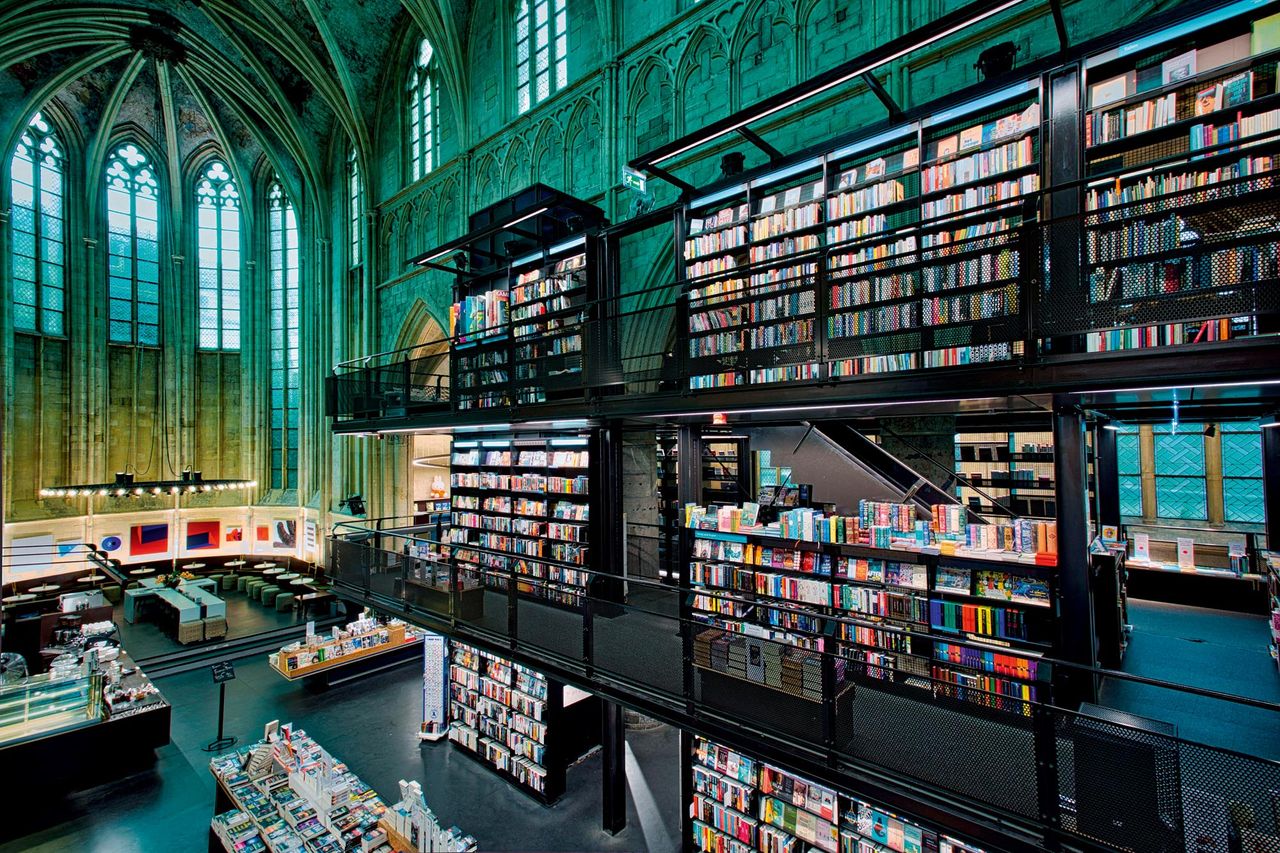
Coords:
pixel 1242 472
pixel 1180 483
pixel 1129 465
pixel 133 248
pixel 218 245
pixel 283 344
pixel 542 50
pixel 423 113
pixel 39 246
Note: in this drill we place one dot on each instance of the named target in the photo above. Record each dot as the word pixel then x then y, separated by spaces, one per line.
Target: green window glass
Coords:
pixel 1180 483
pixel 1129 465
pixel 283 346
pixel 133 249
pixel 423 115
pixel 218 250
pixel 38 262
pixel 1242 472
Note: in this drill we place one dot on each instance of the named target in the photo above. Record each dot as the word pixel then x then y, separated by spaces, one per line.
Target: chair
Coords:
pixel 242 583
pixel 284 601
pixel 191 632
pixel 229 582
pixel 268 594
pixel 252 588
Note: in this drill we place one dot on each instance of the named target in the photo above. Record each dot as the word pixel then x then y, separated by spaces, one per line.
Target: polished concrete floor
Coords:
pixel 371 724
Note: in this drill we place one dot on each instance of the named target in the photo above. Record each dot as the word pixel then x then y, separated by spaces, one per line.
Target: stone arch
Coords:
pixel 702 79
pixel 763 51
pixel 517 166
pixel 545 167
pixel 447 224
pixel 582 150
pixel 487 184
pixel 649 106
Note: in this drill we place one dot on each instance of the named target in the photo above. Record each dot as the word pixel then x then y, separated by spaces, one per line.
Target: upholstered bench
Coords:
pixel 267 595
pixel 229 582
pixel 284 601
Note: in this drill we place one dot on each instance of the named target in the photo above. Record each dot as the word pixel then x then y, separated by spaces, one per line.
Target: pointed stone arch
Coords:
pixel 516 167
pixel 763 50
pixel 582 150
pixel 701 78
pixel 649 106
pixel 545 164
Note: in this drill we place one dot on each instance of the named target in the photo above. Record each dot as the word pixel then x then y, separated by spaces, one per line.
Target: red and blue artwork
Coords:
pixel 145 539
pixel 202 535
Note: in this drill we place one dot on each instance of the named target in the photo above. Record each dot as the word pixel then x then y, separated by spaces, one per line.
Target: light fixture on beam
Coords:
pixel 125 485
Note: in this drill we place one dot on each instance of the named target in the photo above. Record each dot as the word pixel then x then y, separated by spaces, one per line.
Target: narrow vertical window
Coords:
pixel 1242 497
pixel 423 110
pixel 542 50
pixel 218 248
pixel 133 249
pixel 39 246
pixel 355 207
pixel 1129 465
pixel 285 381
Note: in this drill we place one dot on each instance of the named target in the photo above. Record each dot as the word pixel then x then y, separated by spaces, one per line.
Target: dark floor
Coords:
pixel 1211 649
pixel 372 725
pixel 245 618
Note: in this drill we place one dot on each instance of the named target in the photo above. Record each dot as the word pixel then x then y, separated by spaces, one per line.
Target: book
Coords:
pixel 1178 68
pixel 1223 53
pixel 1109 91
pixel 1209 100
pixel 971 137
pixel 947 147
pixel 1265 34
pixel 1237 90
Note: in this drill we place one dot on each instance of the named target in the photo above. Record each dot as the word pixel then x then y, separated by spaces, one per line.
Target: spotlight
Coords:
pixel 732 164
pixel 354 504
pixel 997 60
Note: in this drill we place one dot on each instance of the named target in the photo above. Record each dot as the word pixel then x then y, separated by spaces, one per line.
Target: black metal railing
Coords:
pixel 1103 774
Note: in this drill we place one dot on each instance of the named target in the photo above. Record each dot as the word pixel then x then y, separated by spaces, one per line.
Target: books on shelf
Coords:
pixel 480 316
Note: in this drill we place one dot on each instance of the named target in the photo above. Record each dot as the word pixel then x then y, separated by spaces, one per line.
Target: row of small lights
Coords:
pixel 138 490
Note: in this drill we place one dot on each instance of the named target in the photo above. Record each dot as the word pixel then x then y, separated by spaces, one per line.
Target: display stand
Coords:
pixel 223 672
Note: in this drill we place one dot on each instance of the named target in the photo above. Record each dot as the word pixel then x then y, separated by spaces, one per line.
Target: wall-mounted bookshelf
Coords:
pixel 517 721
pixel 726 469
pixel 1014 469
pixel 739 804
pixel 1181 224
pixel 524 505
pixel 896 253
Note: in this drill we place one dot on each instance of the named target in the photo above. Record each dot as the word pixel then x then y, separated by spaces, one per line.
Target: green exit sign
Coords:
pixel 633 179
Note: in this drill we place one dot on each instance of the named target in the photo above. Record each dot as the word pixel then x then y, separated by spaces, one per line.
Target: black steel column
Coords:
pixel 614 768
pixel 1106 477
pixel 1075 604
pixel 1271 484
pixel 689 488
pixel 1063 166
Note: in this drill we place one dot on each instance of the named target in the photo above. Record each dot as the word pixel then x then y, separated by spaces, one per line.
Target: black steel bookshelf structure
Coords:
pixel 517 722
pixel 957 259
pixel 527 283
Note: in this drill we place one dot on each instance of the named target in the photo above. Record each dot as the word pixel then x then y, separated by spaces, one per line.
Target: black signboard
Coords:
pixel 223 671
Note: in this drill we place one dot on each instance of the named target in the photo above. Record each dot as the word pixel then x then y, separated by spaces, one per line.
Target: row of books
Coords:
pixel 1124 122
pixel 1002 622
pixel 786 221
pixel 1203 271
pixel 979 166
pixel 1167 334
pixel 1125 191
pixel 530 288
pixel 1211 135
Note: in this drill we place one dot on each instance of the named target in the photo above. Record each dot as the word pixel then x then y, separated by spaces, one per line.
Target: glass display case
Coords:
pixel 43 704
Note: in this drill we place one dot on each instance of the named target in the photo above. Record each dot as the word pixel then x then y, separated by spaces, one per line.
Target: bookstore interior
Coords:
pixel 912 486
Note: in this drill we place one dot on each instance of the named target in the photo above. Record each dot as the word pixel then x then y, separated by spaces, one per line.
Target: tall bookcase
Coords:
pixel 726 468
pixel 1180 210
pixel 739 804
pixel 1012 468
pixel 524 504
pixel 517 721
pixel 897 252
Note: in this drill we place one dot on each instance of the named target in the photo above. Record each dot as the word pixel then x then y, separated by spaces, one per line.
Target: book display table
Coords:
pixel 363 646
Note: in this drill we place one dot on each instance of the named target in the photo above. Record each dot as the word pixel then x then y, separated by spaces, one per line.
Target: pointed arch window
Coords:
pixel 423 112
pixel 542 50
pixel 355 208
pixel 285 267
pixel 133 248
pixel 38 261
pixel 218 249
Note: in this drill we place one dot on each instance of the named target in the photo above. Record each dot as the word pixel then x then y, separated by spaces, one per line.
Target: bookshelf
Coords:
pixel 518 331
pixel 523 505
pixel 517 721
pixel 1180 221
pixel 726 465
pixel 898 252
pixel 964 611
pixel 1015 469
pixel 668 485
pixel 739 803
